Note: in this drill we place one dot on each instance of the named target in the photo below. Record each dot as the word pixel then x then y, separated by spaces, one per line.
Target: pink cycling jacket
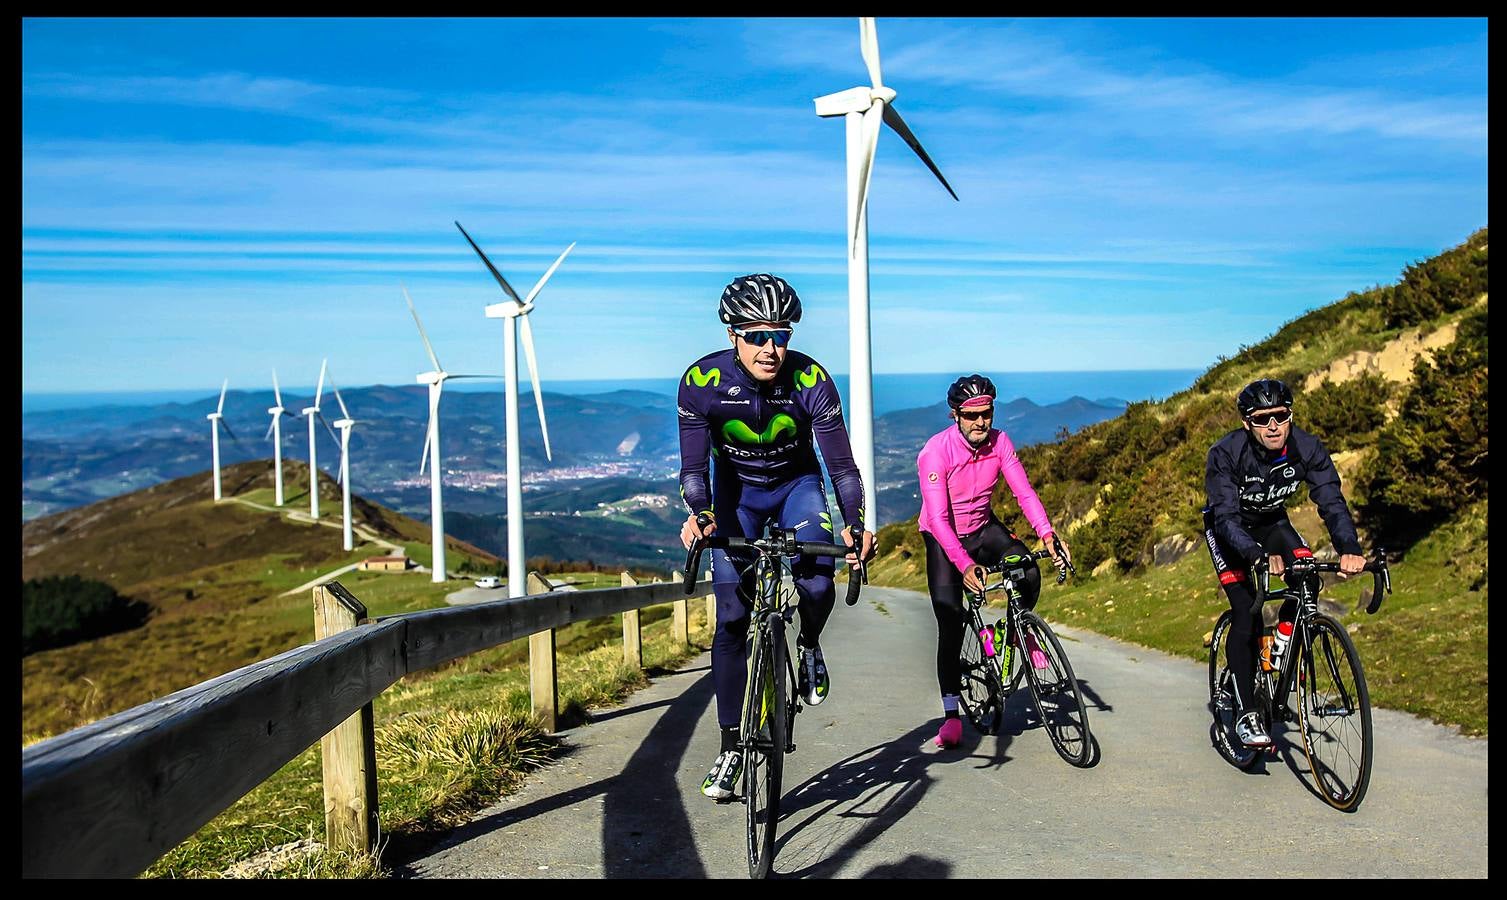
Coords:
pixel 956 482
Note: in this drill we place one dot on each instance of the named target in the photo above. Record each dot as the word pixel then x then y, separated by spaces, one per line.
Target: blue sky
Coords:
pixel 211 199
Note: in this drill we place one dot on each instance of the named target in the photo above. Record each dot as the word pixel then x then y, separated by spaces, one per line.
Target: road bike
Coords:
pixel 1021 645
pixel 1321 666
pixel 767 730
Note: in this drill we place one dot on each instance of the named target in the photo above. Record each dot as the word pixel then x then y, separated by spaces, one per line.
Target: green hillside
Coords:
pixel 213 575
pixel 1393 379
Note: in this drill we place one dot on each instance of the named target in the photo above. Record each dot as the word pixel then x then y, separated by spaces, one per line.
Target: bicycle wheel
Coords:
pixel 980 694
pixel 1222 699
pixel 763 735
pixel 1334 713
pixel 1054 687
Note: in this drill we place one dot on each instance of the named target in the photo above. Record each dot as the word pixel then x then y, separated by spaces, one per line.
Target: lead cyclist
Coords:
pixel 761 409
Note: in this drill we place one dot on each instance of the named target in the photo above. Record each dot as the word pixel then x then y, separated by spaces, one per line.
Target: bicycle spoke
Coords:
pixel 1335 715
pixel 1055 690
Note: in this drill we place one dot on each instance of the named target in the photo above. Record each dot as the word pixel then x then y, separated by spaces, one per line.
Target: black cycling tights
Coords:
pixel 945 583
pixel 1244 644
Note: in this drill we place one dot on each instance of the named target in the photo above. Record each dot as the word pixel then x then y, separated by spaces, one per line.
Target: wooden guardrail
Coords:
pixel 109 798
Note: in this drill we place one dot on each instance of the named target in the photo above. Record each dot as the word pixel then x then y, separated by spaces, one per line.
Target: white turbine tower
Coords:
pixel 865 108
pixel 511 311
pixel 431 456
pixel 312 412
pixel 216 422
pixel 275 431
pixel 344 425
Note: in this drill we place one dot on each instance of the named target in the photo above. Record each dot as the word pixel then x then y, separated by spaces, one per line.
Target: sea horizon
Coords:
pixel 892 390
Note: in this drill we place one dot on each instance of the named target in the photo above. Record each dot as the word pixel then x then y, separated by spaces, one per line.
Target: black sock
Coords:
pixel 952 714
pixel 729 737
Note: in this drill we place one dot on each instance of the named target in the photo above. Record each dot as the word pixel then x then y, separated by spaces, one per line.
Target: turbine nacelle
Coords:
pixel 857 100
pixel 431 377
pixel 508 309
pixel 275 410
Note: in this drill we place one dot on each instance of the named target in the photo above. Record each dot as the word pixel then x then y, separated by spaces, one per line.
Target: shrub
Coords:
pixel 59 610
pixel 1432 459
pixel 1342 414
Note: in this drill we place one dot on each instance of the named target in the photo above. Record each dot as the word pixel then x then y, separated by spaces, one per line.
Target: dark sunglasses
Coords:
pixel 975 415
pixel 780 336
pixel 1266 419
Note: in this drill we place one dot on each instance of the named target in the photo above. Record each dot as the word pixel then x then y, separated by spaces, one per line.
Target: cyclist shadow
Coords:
pixel 875 787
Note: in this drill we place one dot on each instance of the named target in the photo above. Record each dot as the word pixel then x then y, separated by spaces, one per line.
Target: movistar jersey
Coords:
pixel 762 432
pixel 1248 486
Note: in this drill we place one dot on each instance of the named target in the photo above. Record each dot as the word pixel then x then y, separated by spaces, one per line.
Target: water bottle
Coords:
pixel 986 634
pixel 1266 653
pixel 1279 642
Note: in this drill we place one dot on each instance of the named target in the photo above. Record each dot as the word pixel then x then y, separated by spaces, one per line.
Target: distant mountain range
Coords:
pixel 606 447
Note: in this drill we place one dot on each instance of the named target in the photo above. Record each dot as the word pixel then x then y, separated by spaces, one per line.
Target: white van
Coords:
pixel 489 581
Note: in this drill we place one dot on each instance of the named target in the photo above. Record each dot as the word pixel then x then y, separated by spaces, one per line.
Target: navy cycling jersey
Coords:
pixel 1247 488
pixel 762 432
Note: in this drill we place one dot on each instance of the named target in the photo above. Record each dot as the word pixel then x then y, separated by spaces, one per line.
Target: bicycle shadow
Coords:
pixel 876 787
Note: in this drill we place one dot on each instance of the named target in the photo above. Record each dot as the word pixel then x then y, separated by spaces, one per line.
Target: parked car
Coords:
pixel 489 581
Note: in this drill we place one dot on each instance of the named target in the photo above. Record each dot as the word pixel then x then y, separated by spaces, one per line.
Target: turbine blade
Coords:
pixel 448 376
pixel 540 285
pixel 327 427
pixel 226 425
pixel 221 407
pixel 533 373
pixel 495 274
pixel 344 413
pixel 868 45
pixel 434 411
pixel 319 391
pixel 275 391
pixel 893 120
pixel 427 346
pixel 268 435
pixel 871 121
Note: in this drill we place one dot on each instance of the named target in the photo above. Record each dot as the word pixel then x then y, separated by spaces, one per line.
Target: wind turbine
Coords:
pixel 511 311
pixel 312 412
pixel 431 456
pixel 865 108
pixel 344 424
pixel 216 422
pixel 275 431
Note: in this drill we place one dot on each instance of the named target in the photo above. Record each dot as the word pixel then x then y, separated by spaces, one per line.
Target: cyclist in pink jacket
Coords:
pixel 958 468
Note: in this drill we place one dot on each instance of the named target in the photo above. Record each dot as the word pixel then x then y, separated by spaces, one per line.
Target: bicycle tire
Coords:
pixel 1222 700
pixel 980 694
pixel 1055 691
pixel 1334 714
pixel 763 737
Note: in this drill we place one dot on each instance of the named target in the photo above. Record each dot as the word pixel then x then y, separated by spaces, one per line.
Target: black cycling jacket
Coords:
pixel 1247 485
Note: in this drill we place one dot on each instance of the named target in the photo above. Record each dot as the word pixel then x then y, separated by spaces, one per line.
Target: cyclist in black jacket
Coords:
pixel 1249 475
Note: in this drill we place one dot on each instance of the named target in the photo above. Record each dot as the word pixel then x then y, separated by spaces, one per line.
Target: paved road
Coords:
pixel 867 795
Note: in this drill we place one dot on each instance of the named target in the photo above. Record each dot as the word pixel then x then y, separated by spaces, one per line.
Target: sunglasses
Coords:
pixel 975 415
pixel 1266 419
pixel 762 336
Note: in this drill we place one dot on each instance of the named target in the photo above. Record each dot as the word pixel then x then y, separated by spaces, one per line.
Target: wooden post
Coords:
pixel 349 752
pixel 633 640
pixel 680 624
pixel 543 684
pixel 711 614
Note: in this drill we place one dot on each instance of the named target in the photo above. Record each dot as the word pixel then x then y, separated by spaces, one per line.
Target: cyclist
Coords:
pixel 1250 474
pixel 959 468
pixel 757 407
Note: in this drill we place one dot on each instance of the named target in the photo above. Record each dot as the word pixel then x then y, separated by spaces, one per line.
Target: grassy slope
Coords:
pixel 1424 652
pixel 209 617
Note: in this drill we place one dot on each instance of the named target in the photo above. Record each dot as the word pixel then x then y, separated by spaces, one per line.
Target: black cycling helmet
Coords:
pixel 1266 393
pixel 968 387
pixel 759 298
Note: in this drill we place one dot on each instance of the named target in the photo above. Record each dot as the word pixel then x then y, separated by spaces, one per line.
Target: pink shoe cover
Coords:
pixel 1038 658
pixel 951 732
